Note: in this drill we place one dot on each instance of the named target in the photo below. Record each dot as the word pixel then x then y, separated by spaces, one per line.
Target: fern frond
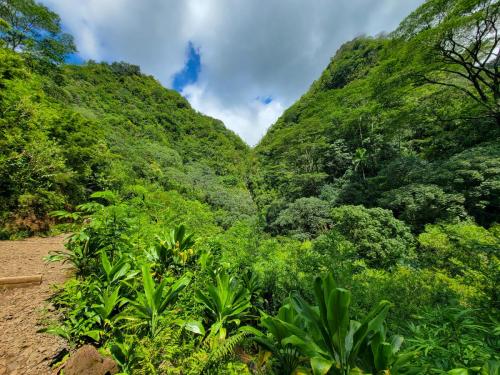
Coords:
pixel 223 350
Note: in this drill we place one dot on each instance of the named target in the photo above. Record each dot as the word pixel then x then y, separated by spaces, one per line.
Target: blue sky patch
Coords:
pixel 189 74
pixel 265 99
pixel 74 59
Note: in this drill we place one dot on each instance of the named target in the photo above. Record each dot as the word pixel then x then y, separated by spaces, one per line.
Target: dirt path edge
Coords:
pixel 24 351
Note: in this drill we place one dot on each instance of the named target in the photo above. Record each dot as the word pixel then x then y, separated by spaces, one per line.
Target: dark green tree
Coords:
pixel 380 239
pixel 419 204
pixel 457 45
pixel 474 173
pixel 304 218
pixel 31 27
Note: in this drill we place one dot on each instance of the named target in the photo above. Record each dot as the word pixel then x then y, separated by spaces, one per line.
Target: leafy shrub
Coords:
pixel 149 306
pixel 474 173
pixel 227 302
pixel 380 239
pixel 304 218
pixel 412 288
pixel 465 251
pixel 451 337
pixel 274 262
pixel 172 252
pixel 418 205
pixel 331 341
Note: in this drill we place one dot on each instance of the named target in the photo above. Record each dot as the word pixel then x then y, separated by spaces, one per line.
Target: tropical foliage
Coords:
pixel 193 253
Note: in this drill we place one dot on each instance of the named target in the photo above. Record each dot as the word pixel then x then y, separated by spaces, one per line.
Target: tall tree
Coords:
pixel 457 43
pixel 31 27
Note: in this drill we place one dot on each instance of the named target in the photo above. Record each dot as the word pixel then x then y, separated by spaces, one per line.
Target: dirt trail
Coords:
pixel 23 351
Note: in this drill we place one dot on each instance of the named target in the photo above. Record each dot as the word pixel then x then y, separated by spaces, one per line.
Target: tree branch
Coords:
pixel 463 89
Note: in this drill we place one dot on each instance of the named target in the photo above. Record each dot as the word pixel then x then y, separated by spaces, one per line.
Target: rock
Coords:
pixel 88 361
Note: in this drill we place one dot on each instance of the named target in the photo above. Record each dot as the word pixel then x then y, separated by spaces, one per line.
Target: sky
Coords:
pixel 241 61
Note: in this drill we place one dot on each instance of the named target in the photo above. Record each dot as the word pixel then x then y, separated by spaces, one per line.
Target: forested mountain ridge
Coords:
pixel 120 90
pixel 379 129
pixel 98 127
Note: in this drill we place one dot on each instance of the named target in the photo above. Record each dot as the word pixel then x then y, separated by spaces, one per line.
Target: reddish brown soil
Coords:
pixel 23 351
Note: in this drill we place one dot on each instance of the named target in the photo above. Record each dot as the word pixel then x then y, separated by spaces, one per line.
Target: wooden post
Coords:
pixel 20 281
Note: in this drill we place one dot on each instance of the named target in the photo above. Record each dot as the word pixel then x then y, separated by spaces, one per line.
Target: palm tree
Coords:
pixel 359 160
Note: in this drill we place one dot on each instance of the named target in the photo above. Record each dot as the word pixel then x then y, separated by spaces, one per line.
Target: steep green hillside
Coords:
pixel 71 130
pixel 371 130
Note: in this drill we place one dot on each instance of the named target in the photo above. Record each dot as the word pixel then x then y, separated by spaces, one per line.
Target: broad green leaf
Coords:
pixel 320 365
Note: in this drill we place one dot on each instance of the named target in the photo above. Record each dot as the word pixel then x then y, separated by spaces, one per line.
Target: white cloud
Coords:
pixel 248 48
pixel 250 119
pixel 148 33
